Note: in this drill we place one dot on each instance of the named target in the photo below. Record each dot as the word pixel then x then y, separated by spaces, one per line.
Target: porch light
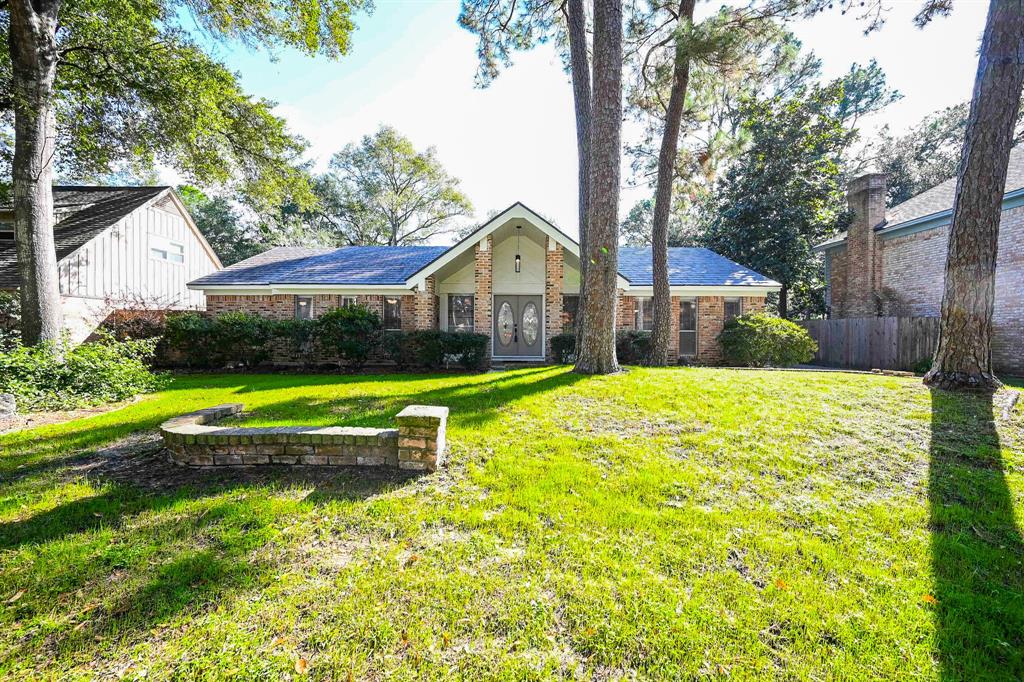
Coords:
pixel 519 259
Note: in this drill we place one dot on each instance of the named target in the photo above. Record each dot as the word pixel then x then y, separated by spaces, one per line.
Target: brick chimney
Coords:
pixel 866 196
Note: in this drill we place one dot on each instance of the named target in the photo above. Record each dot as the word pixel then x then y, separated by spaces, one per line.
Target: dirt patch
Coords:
pixel 31 420
pixel 588 416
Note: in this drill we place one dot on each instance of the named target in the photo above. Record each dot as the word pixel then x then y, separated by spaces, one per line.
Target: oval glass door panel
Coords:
pixel 506 323
pixel 531 324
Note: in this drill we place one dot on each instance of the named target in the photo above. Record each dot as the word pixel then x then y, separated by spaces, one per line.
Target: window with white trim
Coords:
pixel 392 313
pixel 643 319
pixel 303 307
pixel 349 301
pixel 161 248
pixel 733 308
pixel 460 313
pixel 688 327
pixel 6 231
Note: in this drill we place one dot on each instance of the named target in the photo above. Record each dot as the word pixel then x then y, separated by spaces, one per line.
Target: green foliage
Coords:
pixel 191 335
pixel 231 236
pixel 353 332
pixel 760 340
pixel 433 348
pixel 383 191
pixel 136 90
pixel 243 337
pixel 633 347
pixel 783 196
pixel 10 318
pixel 563 347
pixel 46 377
pixel 301 338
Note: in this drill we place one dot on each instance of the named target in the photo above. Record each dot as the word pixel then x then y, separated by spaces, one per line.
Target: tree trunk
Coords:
pixel 784 301
pixel 577 20
pixel 33 47
pixel 596 352
pixel 662 333
pixel 963 358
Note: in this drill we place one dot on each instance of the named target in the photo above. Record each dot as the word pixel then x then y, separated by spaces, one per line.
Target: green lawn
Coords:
pixel 676 523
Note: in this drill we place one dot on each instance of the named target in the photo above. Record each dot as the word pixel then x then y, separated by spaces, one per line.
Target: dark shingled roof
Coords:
pixel 349 265
pixel 687 267
pixel 82 212
pixel 939 199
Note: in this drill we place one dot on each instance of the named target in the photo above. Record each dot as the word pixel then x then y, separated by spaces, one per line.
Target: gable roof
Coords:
pixel 688 266
pixel 82 213
pixel 937 203
pixel 346 266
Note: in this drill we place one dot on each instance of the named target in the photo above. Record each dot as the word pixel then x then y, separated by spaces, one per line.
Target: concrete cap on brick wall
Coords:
pixel 426 415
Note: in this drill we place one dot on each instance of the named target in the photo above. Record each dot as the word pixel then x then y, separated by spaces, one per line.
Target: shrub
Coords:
pixel 129 323
pixel 633 347
pixel 760 340
pixel 51 377
pixel 433 349
pixel 354 332
pixel 563 347
pixel 191 335
pixel 300 336
pixel 243 337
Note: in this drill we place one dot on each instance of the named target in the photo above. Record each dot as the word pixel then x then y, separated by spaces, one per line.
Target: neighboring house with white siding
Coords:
pixel 118 247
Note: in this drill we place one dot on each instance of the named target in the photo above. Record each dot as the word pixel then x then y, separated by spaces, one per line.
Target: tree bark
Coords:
pixel 784 301
pixel 662 332
pixel 596 352
pixel 577 20
pixel 963 358
pixel 33 47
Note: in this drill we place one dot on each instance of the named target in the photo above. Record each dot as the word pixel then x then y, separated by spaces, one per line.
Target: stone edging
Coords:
pixel 418 444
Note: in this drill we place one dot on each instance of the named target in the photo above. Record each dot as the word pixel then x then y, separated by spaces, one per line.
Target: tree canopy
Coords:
pixel 136 89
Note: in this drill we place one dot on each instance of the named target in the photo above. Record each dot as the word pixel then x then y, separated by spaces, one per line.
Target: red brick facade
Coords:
pixel 554 269
pixel 907 273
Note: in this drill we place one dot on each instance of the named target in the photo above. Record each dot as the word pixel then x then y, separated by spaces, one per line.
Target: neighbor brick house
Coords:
pixel 516 279
pixel 891 262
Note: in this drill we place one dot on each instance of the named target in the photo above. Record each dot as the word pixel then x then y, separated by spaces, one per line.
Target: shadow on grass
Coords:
pixel 977 548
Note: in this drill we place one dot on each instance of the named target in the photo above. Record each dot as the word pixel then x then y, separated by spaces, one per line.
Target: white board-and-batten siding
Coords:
pixel 117 267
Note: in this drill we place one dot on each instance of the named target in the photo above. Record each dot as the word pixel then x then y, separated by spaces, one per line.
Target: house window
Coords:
pixel 733 308
pixel 460 313
pixel 303 307
pixel 688 327
pixel 392 313
pixel 644 316
pixel 348 302
pixel 6 232
pixel 570 309
pixel 161 249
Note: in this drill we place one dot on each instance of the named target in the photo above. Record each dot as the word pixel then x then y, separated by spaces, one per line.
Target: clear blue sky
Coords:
pixel 412 67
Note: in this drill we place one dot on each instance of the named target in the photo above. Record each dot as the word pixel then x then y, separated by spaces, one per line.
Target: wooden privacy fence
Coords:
pixel 874 342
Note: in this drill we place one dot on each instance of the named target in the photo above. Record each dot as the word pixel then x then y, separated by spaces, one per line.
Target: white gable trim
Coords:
pixel 517 210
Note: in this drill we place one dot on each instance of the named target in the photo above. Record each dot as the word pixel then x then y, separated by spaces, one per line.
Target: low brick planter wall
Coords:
pixel 418 444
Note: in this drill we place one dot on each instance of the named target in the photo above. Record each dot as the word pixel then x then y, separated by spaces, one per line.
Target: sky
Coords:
pixel 412 67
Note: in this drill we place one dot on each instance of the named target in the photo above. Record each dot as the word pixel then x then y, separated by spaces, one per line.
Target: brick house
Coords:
pixel 891 262
pixel 516 278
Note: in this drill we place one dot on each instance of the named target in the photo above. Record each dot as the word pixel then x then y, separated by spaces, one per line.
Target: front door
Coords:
pixel 517 326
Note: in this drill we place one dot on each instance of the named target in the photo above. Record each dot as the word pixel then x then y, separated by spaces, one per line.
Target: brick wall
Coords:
pixel 554 267
pixel 482 275
pixel 866 197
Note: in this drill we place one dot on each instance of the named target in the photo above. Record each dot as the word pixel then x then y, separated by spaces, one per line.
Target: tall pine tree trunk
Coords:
pixel 784 301
pixel 963 358
pixel 577 20
pixel 661 337
pixel 33 47
pixel 596 352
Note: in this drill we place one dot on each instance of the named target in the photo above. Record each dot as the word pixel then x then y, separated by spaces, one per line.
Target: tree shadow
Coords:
pixel 977 548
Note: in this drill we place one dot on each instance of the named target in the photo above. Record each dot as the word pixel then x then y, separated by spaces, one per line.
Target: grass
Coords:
pixel 676 523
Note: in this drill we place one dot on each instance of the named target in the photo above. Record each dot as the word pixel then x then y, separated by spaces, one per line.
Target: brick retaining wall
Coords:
pixel 418 444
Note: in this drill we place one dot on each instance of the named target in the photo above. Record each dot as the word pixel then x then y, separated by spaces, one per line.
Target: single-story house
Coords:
pixel 891 261
pixel 516 278
pixel 117 248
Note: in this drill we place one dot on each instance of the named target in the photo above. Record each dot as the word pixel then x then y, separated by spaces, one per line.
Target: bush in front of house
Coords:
pixel 62 376
pixel 633 347
pixel 563 347
pixel 300 335
pixel 469 349
pixel 243 337
pixel 760 340
pixel 434 349
pixel 191 335
pixel 352 332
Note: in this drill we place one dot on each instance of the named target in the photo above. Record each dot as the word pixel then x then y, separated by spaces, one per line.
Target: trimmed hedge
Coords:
pixel 351 332
pixel 434 349
pixel 63 377
pixel 760 340
pixel 633 347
